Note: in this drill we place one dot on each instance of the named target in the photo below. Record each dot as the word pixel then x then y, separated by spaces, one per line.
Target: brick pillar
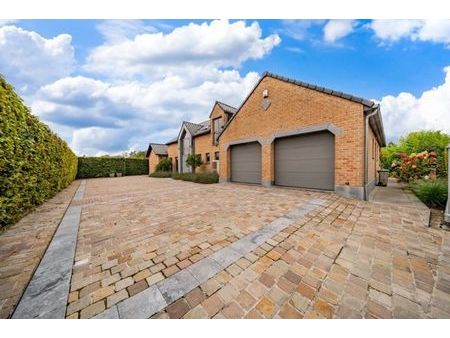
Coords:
pixel 447 209
pixel 224 164
pixel 267 165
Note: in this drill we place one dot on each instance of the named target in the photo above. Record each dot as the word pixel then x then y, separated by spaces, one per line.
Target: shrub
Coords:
pixel 205 178
pixel 194 161
pixel 415 143
pixel 34 162
pixel 433 193
pixel 164 165
pixel 89 167
pixel 161 174
pixel 414 166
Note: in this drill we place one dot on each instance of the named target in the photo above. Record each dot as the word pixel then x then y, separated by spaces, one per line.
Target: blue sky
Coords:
pixel 112 86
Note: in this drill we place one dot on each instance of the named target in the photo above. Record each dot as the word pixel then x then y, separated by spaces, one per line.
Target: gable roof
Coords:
pixel 366 103
pixel 157 148
pixel 225 107
pixel 174 140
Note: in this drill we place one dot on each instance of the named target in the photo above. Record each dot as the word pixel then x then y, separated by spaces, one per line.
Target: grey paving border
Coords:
pixel 160 295
pixel 46 294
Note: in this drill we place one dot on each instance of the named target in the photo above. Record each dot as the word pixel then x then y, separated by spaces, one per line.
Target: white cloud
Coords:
pixel 113 117
pixel 337 29
pixel 405 112
pixel 186 49
pixel 437 31
pixel 4 22
pixel 299 29
pixel 29 60
pixel 115 31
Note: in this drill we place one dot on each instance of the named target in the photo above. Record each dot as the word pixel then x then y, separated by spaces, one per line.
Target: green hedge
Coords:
pixel 161 174
pixel 34 162
pixel 205 178
pixel 89 167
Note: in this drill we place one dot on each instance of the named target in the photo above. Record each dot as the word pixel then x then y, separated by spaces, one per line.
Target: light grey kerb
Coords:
pixel 46 294
pixel 158 296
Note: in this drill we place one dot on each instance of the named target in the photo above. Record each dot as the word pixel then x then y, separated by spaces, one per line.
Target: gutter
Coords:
pixel 366 147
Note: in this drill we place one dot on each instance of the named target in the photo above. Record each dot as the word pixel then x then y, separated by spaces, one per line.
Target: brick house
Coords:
pixel 290 133
pixel 194 138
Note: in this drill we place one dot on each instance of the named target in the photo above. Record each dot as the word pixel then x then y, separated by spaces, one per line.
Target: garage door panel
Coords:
pixel 305 161
pixel 246 163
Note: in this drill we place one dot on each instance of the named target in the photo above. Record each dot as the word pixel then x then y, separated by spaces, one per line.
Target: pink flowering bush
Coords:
pixel 414 166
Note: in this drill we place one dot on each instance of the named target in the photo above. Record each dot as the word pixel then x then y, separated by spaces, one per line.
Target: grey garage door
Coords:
pixel 305 161
pixel 246 163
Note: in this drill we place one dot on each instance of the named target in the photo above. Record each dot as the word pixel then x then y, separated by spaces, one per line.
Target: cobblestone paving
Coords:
pixel 137 231
pixel 23 244
pixel 348 260
pixel 341 259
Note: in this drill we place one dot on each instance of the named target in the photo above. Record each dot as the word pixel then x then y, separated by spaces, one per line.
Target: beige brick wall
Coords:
pixel 172 152
pixel 293 107
pixel 202 145
pixel 373 156
pixel 153 160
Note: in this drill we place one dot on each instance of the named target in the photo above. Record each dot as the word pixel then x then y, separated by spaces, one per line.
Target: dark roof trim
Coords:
pixel 158 149
pixel 366 103
pixel 225 107
pixel 376 123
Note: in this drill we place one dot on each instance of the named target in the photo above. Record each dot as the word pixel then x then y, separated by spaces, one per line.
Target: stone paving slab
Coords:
pixel 23 244
pixel 47 292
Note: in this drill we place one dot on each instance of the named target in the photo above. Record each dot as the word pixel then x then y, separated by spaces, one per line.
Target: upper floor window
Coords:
pixel 217 127
pixel 216 155
pixel 207 158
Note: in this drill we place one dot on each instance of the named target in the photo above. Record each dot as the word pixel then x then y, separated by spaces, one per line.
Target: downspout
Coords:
pixel 366 148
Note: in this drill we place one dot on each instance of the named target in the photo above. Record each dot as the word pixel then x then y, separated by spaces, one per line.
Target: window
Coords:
pixel 216 155
pixel 207 158
pixel 217 125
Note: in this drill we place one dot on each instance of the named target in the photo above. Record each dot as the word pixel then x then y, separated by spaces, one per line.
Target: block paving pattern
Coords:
pixel 23 244
pixel 130 239
pixel 343 259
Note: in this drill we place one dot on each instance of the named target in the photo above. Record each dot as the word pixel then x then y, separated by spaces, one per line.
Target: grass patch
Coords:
pixel 431 192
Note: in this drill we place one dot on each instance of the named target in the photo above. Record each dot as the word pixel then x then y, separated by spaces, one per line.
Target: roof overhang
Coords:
pixel 376 123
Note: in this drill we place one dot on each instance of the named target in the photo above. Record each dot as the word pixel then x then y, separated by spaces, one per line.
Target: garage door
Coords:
pixel 246 163
pixel 305 161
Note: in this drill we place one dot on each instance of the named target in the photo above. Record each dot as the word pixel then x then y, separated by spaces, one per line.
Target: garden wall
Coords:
pixel 34 162
pixel 89 167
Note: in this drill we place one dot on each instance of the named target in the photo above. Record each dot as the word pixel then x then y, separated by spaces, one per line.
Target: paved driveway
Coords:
pixel 149 247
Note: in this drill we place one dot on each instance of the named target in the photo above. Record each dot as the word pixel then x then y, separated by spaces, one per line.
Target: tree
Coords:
pixel 136 154
pixel 194 161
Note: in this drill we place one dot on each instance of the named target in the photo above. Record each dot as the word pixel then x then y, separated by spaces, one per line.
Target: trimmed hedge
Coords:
pixel 206 178
pixel 90 167
pixel 34 162
pixel 161 174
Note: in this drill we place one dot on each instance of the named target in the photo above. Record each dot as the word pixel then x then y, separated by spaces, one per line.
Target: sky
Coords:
pixel 111 86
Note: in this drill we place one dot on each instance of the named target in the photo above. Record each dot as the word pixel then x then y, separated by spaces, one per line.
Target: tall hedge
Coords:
pixel 34 162
pixel 89 167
